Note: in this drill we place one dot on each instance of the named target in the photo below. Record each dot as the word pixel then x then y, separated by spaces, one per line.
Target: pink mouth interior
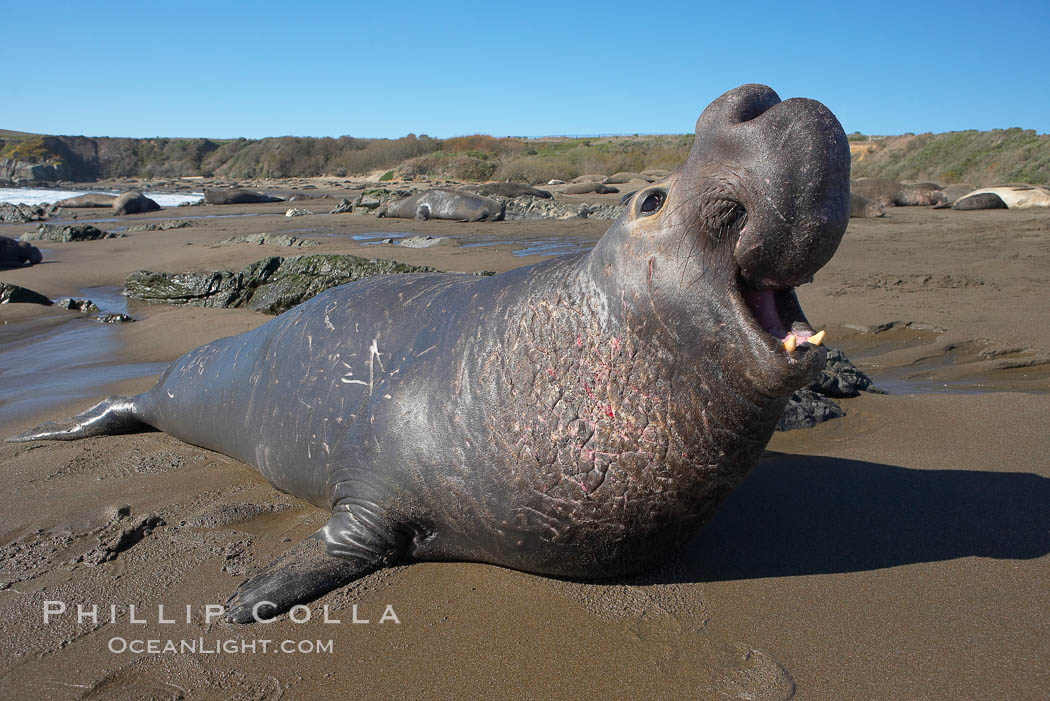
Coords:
pixel 763 306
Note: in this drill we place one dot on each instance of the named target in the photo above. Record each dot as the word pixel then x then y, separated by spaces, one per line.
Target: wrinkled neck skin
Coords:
pixel 674 281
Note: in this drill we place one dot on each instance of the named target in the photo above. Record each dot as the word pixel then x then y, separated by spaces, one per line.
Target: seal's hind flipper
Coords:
pixel 345 549
pixel 113 415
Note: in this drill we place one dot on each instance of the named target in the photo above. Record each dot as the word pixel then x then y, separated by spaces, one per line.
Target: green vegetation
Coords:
pixel 975 157
pixel 997 156
pixel 29 148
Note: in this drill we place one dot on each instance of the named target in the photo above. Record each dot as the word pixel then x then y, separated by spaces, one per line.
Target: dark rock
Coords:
pixel 270 240
pixel 16 254
pixel 531 208
pixel 806 409
pixel 67 233
pixel 160 226
pixel 22 213
pixel 77 305
pixel 427 241
pixel 345 206
pixel 369 201
pixel 271 285
pixel 13 294
pixel 812 405
pixel 113 318
pixel 841 378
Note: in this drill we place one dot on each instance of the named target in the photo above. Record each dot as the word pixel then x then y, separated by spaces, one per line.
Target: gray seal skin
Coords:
pixel 580 417
pixel 508 190
pixel 134 202
pixel 863 208
pixel 237 196
pixel 984 200
pixel 89 200
pixel 15 254
pixel 444 204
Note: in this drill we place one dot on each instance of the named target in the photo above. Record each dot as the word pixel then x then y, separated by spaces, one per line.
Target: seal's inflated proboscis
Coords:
pixel 579 417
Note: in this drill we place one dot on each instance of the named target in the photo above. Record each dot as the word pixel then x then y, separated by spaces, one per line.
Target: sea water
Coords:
pixel 33 196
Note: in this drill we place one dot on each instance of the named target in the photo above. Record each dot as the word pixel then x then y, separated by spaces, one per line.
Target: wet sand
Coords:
pixel 899 552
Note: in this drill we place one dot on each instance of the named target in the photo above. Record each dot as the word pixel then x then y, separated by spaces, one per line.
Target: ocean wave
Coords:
pixel 21 195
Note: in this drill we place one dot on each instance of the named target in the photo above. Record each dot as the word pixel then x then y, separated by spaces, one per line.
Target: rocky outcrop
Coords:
pixel 813 404
pixel 160 226
pixel 68 233
pixel 531 208
pixel 271 285
pixel 77 304
pixel 369 201
pixel 21 172
pixel 425 241
pixel 15 294
pixel 23 213
pixel 270 240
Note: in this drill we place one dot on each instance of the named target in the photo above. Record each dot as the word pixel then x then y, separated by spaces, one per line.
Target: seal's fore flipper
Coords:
pixel 337 554
pixel 113 415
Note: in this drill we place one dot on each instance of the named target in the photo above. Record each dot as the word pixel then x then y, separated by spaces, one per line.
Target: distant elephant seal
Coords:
pixel 625 177
pixel 89 200
pixel 585 188
pixel 581 417
pixel 508 190
pixel 456 205
pixel 15 254
pixel 890 193
pixel 983 200
pixel 237 196
pixel 1015 196
pixel 863 208
pixel 134 202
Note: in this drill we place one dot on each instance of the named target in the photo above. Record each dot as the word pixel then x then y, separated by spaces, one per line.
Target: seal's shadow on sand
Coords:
pixel 798 515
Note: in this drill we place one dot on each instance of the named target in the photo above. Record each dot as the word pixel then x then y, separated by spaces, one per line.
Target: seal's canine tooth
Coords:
pixel 554 418
pixel 817 338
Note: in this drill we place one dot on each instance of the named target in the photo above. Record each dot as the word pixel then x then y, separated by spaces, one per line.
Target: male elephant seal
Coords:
pixel 237 196
pixel 580 417
pixel 1012 197
pixel 983 200
pixel 134 202
pixel 88 200
pixel 15 254
pixel 508 190
pixel 863 208
pixel 444 204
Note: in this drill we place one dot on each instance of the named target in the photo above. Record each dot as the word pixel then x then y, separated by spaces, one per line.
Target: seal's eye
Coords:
pixel 653 202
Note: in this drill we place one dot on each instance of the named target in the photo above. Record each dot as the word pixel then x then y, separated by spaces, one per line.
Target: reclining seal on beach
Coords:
pixel 580 417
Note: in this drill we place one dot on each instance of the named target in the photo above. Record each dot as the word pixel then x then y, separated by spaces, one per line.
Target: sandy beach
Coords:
pixel 899 552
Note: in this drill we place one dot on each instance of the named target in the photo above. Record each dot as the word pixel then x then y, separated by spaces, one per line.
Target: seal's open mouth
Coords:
pixel 778 313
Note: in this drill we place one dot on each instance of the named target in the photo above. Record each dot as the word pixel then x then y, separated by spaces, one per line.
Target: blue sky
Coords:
pixel 533 68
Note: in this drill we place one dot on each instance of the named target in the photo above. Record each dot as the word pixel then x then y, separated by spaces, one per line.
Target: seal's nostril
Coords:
pixel 749 101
